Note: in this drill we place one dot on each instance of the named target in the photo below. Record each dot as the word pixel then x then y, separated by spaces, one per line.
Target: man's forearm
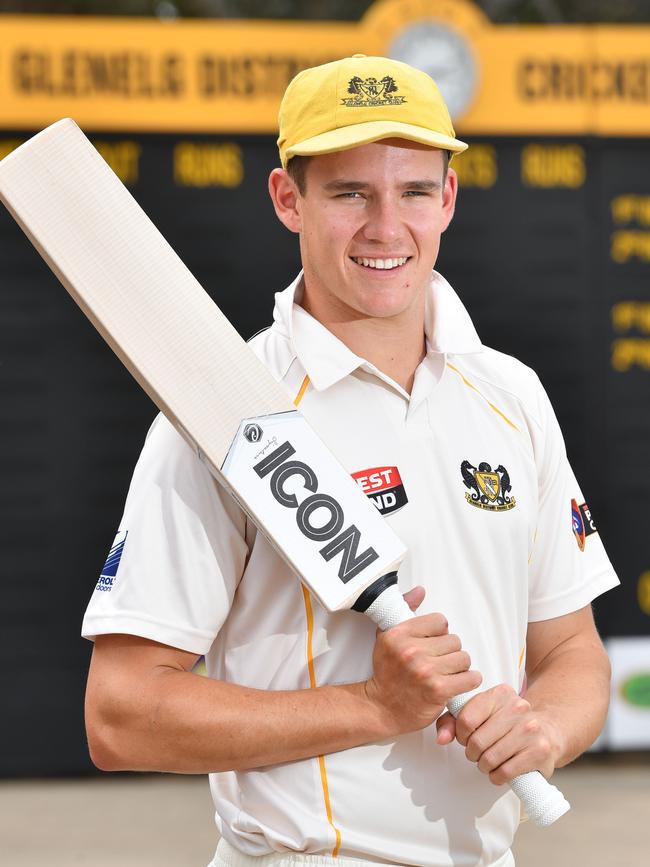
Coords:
pixel 185 723
pixel 570 688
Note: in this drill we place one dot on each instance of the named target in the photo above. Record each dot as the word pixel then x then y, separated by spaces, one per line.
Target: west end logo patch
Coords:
pixel 369 92
pixel 384 487
pixel 488 489
pixel 109 570
pixel 582 523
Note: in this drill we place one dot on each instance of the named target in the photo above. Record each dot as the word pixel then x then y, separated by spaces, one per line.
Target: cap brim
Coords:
pixel 353 136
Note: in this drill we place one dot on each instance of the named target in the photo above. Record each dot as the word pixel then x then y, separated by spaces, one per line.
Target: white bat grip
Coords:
pixel 543 802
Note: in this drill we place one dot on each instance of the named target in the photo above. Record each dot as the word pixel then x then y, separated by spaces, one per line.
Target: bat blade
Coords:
pixel 193 364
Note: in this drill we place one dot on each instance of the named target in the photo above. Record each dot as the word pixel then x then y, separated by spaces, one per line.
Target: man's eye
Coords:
pixel 352 195
pixel 416 193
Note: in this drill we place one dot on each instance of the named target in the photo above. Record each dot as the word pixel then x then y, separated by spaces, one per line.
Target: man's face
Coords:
pixel 370 222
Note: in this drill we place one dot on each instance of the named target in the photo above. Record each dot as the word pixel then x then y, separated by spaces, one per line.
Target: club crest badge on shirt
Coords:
pixel 382 485
pixel 582 523
pixel 488 489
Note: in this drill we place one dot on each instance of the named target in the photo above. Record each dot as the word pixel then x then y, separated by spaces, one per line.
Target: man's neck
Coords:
pixel 396 346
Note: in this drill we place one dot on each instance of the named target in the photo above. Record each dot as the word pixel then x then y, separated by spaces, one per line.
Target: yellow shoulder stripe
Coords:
pixel 489 403
pixel 301 391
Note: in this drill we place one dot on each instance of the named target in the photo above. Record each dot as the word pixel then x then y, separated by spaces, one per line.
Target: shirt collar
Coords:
pixel 327 359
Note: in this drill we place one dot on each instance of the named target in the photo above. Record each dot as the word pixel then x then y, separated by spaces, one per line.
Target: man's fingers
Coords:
pixel 414 597
pixel 464 682
pixel 518 752
pixel 454 663
pixel 423 640
pixel 493 730
pixel 446 728
pixel 483 707
pixel 425 626
pixel 439 645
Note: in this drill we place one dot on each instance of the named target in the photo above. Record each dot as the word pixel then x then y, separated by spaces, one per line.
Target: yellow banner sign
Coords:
pixel 228 76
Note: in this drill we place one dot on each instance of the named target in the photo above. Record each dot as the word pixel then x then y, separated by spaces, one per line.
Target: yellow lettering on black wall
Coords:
pixel 631 352
pixel 627 315
pixel 631 208
pixel 628 244
pixel 553 165
pixel 477 167
pixel 198 164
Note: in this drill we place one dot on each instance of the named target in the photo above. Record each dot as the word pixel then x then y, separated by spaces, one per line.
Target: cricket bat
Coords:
pixel 201 374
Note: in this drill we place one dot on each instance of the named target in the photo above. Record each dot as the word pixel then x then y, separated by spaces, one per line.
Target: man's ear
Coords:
pixel 286 199
pixel 449 198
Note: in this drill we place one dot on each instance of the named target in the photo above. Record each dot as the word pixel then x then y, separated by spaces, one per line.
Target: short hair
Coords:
pixel 297 170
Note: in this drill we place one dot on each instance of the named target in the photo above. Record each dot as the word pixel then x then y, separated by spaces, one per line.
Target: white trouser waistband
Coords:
pixel 228 856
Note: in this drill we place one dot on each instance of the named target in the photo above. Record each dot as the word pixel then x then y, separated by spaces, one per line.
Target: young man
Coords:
pixel 318 732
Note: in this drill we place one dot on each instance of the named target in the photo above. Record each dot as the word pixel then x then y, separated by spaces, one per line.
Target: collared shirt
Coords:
pixel 471 472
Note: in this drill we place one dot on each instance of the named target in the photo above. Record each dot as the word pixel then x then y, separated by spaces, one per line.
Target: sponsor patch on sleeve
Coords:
pixel 109 570
pixel 382 485
pixel 582 523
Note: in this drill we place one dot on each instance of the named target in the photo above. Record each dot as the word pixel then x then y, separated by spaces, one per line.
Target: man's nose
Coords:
pixel 383 222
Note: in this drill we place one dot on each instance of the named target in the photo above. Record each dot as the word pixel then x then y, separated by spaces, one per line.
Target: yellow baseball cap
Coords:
pixel 359 100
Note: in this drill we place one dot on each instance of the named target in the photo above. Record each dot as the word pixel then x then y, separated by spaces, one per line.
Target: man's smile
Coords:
pixel 381 264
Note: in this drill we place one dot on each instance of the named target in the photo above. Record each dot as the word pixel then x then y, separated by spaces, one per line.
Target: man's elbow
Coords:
pixel 104 743
pixel 101 755
pixel 111 732
pixel 123 695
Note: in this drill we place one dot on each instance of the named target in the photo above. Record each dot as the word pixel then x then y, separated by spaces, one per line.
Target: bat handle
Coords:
pixel 383 603
pixel 543 802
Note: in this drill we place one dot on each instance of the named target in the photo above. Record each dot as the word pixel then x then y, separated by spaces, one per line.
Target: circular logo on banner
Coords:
pixel 443 54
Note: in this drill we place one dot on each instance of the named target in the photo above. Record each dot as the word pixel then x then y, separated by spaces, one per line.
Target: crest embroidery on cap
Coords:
pixel 368 92
pixel 488 488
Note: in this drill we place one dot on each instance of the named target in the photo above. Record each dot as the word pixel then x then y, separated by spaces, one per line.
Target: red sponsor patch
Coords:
pixel 377 479
pixel 382 485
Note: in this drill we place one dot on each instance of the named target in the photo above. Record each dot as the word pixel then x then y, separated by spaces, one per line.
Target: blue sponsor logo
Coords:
pixel 109 571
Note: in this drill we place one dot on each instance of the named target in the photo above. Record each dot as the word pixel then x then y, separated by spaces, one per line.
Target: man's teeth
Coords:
pixel 382 264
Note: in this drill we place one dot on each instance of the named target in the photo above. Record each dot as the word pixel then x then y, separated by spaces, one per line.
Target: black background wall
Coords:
pixel 533 264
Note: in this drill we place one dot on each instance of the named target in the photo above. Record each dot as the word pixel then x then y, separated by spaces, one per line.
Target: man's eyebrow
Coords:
pixel 424 186
pixel 341 186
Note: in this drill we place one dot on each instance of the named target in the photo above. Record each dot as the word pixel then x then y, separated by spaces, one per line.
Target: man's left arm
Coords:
pixel 560 715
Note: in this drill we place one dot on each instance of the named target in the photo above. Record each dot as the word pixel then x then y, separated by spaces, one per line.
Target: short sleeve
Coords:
pixel 179 553
pixel 568 567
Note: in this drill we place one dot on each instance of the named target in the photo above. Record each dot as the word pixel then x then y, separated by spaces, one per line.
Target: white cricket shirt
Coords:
pixel 471 472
